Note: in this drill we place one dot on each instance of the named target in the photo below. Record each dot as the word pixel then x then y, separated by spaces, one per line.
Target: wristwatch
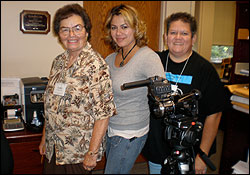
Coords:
pixel 91 153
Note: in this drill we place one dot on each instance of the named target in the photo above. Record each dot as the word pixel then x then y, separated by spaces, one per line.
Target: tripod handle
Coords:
pixel 206 160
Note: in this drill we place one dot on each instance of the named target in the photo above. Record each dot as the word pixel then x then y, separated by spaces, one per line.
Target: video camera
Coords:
pixel 180 113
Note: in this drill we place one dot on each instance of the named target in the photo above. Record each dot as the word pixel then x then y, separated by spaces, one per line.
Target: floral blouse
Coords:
pixel 87 97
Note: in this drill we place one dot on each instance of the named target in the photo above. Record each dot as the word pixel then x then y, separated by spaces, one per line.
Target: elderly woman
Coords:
pixel 78 100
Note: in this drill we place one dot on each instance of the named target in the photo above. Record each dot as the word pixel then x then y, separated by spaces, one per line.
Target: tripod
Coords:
pixel 182 157
pixel 180 161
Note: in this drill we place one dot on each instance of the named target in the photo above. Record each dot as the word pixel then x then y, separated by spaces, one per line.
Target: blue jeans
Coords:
pixel 154 168
pixel 122 153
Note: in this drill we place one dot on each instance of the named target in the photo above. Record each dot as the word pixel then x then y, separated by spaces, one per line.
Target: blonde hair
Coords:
pixel 130 15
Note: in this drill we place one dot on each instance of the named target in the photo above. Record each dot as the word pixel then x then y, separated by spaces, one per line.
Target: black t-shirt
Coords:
pixel 198 74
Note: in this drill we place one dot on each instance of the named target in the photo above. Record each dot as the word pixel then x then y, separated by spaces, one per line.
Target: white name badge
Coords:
pixel 60 89
pixel 174 87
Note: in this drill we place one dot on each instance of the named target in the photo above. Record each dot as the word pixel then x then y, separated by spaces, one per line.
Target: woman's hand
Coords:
pixel 42 146
pixel 200 166
pixel 89 162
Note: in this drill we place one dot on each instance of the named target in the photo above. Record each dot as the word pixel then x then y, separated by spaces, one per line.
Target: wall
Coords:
pixel 216 23
pixel 27 55
pixel 205 21
pixel 224 25
pixel 224 22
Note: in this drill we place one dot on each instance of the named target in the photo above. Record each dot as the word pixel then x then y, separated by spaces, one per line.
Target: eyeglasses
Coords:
pixel 76 29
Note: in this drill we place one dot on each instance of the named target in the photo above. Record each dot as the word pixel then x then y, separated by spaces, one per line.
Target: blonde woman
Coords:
pixel 132 60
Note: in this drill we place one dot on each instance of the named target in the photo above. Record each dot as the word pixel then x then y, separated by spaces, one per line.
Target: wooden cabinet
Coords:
pixel 236 140
pixel 149 11
pixel 27 159
pixel 241 44
pixel 101 164
pixel 236 129
pixel 24 146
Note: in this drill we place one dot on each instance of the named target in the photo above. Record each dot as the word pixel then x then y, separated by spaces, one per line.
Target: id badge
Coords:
pixel 174 87
pixel 60 89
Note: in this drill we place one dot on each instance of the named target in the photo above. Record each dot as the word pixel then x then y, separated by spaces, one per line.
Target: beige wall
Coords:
pixel 216 24
pixel 205 20
pixel 224 22
pixel 27 55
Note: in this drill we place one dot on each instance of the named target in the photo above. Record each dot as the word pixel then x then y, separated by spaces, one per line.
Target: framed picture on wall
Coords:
pixel 35 22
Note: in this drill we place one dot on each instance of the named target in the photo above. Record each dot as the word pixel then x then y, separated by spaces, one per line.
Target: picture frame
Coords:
pixel 35 22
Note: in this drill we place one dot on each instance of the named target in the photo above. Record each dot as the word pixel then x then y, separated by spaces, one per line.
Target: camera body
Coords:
pixel 179 112
pixel 182 131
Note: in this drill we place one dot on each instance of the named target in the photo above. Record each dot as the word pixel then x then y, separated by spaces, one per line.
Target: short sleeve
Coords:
pixel 101 94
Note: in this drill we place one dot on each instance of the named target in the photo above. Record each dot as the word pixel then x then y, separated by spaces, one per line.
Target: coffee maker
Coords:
pixel 32 91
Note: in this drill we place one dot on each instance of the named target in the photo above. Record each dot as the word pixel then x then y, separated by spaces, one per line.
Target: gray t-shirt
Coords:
pixel 132 104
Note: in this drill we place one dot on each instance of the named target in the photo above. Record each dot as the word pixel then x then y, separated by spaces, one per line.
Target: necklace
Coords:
pixel 175 87
pixel 123 58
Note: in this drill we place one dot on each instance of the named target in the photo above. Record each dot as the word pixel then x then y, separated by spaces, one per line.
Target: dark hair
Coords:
pixel 184 17
pixel 67 11
pixel 130 15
